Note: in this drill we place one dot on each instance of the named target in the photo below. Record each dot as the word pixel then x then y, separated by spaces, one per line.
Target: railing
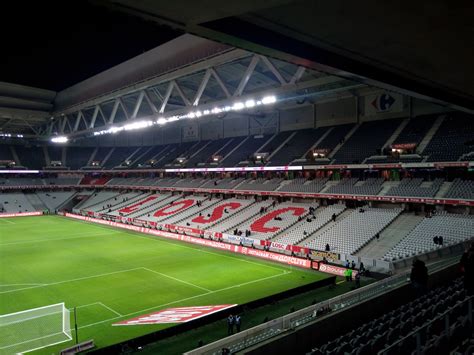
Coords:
pixel 288 322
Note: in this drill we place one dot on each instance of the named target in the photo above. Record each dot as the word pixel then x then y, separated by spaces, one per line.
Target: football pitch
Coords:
pixel 111 275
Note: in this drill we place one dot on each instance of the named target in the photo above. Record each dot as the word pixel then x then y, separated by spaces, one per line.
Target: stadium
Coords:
pixel 247 178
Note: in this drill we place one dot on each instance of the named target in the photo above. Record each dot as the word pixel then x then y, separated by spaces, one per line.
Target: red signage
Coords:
pixel 176 315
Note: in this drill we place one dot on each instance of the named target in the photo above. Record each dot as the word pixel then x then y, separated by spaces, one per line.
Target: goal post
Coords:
pixel 34 329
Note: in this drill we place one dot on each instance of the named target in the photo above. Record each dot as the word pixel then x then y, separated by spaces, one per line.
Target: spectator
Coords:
pixel 353 265
pixel 347 265
pixel 361 267
pixel 419 277
pixel 436 240
pixel 440 241
pixel 377 236
pixel 333 217
pixel 357 280
pixel 327 247
pixel 230 324
pixel 237 321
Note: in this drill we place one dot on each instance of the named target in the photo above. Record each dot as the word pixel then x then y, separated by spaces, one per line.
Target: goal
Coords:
pixel 34 329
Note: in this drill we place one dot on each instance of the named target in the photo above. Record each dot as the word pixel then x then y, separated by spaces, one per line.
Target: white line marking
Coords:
pixel 13 285
pixel 91 304
pixel 6 220
pixel 176 279
pixel 72 280
pixel 31 241
pixel 28 341
pixel 186 299
pixel 110 309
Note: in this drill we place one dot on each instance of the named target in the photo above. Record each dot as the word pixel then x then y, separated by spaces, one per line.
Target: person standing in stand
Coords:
pixel 237 322
pixel 230 324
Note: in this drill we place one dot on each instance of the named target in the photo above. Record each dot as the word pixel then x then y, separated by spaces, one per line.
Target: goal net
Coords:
pixel 34 329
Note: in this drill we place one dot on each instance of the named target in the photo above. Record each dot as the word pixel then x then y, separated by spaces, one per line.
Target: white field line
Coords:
pixel 6 220
pixel 110 309
pixel 14 285
pixel 75 236
pixel 176 279
pixel 91 304
pixel 72 280
pixel 29 341
pixel 180 244
pixel 185 299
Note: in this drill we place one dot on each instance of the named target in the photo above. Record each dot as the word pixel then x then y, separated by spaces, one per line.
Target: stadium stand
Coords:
pixel 453 228
pixel 54 199
pixel 119 155
pixel 15 203
pixel 416 187
pixel 249 146
pixel 78 157
pixel 453 138
pixel 297 146
pixel 389 334
pixel 260 184
pixel 461 189
pixel 352 232
pixel 303 185
pixel 101 155
pixel 366 140
pixel 214 214
pixel 204 156
pixel 31 157
pixel 275 219
pixel 415 130
pixel 371 186
pixel 308 226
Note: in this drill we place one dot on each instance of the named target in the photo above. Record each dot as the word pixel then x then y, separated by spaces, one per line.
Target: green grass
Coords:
pixel 113 275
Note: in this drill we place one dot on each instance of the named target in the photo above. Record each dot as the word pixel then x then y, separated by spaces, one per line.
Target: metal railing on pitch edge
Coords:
pixel 260 333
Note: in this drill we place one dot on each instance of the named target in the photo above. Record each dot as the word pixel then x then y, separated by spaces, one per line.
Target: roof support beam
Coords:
pixel 78 120
pixel 273 69
pixel 221 83
pixel 114 111
pixel 136 108
pixel 248 73
pixel 297 76
pixel 180 93
pixel 202 87
pixel 167 97
pixel 148 99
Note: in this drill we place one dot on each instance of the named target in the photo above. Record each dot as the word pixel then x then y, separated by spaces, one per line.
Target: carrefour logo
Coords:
pixel 383 102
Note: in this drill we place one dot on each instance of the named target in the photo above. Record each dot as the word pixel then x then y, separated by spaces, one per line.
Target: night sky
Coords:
pixel 55 44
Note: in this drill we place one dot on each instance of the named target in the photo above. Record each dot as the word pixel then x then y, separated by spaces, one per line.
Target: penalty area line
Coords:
pixel 186 299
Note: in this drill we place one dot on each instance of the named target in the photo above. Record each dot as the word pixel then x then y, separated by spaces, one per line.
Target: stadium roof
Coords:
pixel 186 73
pixel 422 49
pixel 24 109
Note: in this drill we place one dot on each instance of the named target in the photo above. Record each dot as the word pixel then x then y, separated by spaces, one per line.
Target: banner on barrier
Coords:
pixel 281 258
pixel 335 270
pixel 237 239
pixel 20 214
pixel 324 254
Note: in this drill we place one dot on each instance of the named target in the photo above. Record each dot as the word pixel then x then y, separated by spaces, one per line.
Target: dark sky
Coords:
pixel 55 44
